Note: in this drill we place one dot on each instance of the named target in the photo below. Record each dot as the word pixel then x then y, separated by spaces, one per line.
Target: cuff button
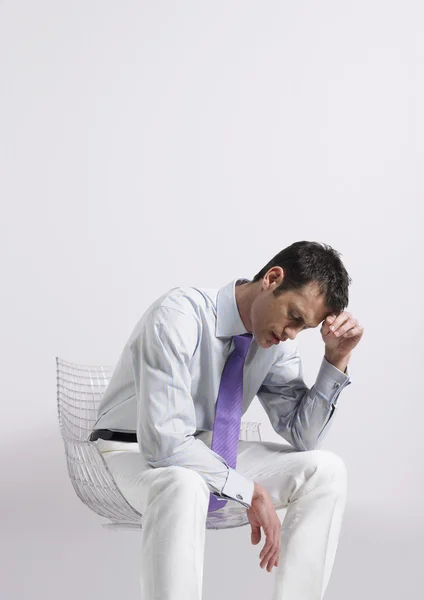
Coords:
pixel 239 496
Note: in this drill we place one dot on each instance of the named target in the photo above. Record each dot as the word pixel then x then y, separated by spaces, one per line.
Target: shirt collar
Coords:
pixel 228 320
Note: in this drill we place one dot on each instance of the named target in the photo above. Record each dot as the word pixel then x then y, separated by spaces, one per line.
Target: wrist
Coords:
pixel 258 490
pixel 340 362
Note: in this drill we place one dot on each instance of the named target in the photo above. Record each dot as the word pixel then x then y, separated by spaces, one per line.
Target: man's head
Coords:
pixel 295 290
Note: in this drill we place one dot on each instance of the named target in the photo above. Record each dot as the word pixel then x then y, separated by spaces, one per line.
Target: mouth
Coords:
pixel 277 339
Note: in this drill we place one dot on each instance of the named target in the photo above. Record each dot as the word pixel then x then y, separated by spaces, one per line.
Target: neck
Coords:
pixel 245 294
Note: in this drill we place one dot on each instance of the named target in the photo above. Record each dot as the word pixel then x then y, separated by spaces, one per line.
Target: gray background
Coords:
pixel 146 145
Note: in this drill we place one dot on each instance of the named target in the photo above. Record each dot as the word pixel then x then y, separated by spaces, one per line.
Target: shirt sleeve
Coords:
pixel 299 414
pixel 166 418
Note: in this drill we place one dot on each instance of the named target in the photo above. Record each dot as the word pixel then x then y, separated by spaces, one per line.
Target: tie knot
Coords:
pixel 242 343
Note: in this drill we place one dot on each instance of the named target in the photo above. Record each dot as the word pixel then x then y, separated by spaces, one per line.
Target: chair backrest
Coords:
pixel 79 391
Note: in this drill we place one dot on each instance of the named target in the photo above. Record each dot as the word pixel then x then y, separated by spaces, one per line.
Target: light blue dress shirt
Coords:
pixel 166 382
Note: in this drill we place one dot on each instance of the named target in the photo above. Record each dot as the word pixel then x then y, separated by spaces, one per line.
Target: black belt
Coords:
pixel 118 436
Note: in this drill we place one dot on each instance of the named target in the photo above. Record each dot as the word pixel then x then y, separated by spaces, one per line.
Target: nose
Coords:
pixel 290 332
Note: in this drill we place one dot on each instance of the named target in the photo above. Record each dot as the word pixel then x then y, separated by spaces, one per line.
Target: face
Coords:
pixel 286 315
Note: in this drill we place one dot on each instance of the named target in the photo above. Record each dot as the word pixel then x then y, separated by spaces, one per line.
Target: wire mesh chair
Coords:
pixel 79 391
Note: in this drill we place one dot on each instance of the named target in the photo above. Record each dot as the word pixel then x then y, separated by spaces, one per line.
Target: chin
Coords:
pixel 267 343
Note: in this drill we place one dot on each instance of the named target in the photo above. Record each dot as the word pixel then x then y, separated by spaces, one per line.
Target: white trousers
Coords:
pixel 174 500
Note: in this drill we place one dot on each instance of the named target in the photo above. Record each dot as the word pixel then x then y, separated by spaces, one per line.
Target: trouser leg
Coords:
pixel 174 502
pixel 173 536
pixel 309 536
pixel 312 485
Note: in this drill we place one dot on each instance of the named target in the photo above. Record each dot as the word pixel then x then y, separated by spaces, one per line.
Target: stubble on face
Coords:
pixel 263 313
pixel 288 314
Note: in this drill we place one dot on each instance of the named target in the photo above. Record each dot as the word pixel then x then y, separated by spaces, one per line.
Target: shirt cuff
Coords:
pixel 331 381
pixel 238 488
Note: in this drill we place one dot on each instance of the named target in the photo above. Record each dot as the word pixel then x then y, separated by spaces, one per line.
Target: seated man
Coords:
pixel 169 422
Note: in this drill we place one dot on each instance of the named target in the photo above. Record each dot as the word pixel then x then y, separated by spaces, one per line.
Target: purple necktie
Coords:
pixel 226 428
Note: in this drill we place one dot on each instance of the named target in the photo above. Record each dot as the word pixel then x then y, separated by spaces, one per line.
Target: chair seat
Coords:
pixel 79 392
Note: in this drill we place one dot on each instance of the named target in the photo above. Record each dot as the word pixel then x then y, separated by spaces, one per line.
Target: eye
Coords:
pixel 296 319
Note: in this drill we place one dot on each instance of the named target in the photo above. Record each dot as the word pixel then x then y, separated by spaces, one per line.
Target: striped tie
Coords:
pixel 226 429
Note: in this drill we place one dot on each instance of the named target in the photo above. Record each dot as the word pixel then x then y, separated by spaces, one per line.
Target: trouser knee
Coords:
pixel 181 484
pixel 323 468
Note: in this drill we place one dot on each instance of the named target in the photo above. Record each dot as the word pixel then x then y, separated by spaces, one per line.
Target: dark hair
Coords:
pixel 306 262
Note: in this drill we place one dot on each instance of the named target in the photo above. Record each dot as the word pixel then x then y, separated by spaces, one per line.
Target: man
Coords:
pixel 157 417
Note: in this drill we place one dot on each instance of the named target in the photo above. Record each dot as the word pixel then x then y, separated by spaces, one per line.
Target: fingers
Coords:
pixel 342 324
pixel 347 327
pixel 327 323
pixel 271 551
pixel 263 514
pixel 271 559
pixel 339 320
pixel 353 332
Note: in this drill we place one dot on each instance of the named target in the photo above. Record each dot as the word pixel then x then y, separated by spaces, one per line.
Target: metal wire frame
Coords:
pixel 79 391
